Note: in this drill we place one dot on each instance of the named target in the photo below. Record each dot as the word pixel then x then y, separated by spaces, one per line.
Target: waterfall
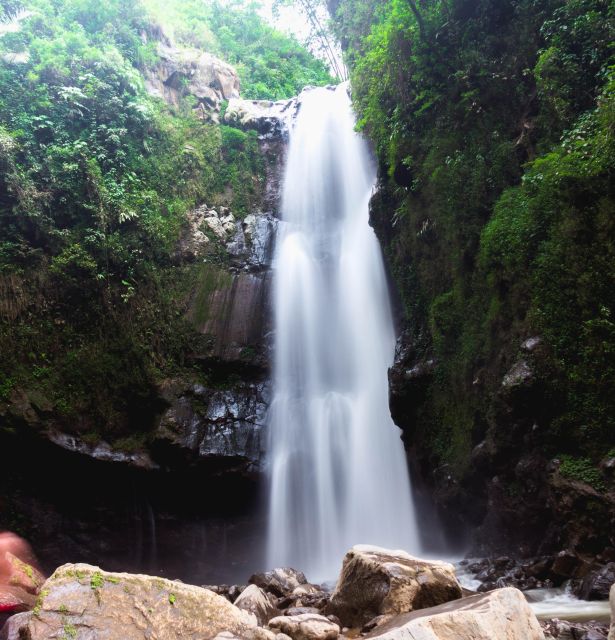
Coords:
pixel 337 469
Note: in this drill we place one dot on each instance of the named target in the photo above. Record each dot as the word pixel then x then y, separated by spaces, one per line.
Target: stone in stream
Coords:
pixel 377 581
pixel 81 602
pixel 597 584
pixel 503 614
pixel 306 626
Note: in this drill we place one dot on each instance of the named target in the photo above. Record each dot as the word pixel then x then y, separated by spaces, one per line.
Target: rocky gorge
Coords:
pixel 134 393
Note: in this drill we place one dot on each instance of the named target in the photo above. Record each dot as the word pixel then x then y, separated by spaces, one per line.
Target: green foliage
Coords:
pixel 493 125
pixel 271 65
pixel 97 581
pixel 96 178
pixel 581 469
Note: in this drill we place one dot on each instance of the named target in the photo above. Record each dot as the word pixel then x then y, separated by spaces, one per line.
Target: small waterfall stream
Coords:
pixel 338 472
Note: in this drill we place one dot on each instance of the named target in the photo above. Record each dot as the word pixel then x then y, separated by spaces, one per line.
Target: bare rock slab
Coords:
pixel 306 626
pixel 376 581
pixel 83 602
pixel 503 614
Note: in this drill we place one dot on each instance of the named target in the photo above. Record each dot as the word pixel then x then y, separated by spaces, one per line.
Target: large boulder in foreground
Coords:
pixel 377 581
pixel 82 602
pixel 503 614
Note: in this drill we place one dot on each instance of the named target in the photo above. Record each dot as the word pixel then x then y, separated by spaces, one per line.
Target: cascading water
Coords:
pixel 338 473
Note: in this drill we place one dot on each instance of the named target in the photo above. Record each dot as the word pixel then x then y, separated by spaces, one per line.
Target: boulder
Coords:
pixel 612 602
pixel 266 117
pixel 10 630
pixel 377 581
pixel 280 582
pixel 182 71
pixel 80 601
pixel 306 626
pixel 254 600
pixel 596 585
pixel 502 614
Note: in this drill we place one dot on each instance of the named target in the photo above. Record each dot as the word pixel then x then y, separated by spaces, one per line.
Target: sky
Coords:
pixel 291 20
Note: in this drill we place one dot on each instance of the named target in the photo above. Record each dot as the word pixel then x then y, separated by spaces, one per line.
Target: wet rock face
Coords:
pixel 252 244
pixel 512 495
pixel 204 425
pixel 597 584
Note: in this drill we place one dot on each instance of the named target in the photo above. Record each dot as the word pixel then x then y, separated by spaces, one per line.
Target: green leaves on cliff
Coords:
pixel 271 65
pixel 493 123
pixel 96 177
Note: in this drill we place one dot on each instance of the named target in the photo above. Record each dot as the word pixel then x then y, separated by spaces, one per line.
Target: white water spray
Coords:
pixel 338 473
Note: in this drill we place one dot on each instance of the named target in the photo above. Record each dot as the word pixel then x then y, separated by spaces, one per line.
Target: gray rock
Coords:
pixel 307 626
pixel 101 451
pixel 297 611
pixel 519 374
pixel 254 600
pixel 531 343
pixel 12 627
pixel 186 71
pixel 270 119
pixel 280 582
pixel 252 243
pixel 500 614
pixel 211 424
pixel 597 585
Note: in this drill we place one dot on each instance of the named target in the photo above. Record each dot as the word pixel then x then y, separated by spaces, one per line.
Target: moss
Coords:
pixel 210 280
pixel 70 631
pixel 97 581
pixel 39 602
pixel 583 470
